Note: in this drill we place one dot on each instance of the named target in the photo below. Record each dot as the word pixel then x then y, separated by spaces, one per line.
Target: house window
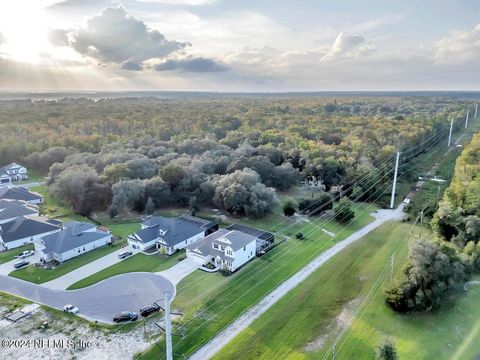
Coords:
pixel 215 246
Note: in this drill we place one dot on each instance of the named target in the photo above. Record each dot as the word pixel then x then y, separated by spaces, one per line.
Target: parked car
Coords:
pixel 70 309
pixel 21 264
pixel 406 201
pixel 125 316
pixel 124 254
pixel 150 309
pixel 25 254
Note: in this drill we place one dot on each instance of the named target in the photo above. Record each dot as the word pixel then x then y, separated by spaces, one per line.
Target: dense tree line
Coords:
pixel 175 151
pixel 436 269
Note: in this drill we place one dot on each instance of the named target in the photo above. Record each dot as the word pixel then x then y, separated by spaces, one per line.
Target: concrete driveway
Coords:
pixel 7 268
pixel 99 302
pixel 177 272
pixel 63 282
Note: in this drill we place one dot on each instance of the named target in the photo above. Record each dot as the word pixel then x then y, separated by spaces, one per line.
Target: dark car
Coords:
pixel 150 309
pixel 125 316
pixel 21 264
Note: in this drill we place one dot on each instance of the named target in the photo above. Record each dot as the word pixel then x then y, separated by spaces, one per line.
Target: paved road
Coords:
pixel 100 301
pixel 63 282
pixel 241 323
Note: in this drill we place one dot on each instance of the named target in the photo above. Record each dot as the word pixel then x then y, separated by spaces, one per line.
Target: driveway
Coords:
pixel 99 302
pixel 7 268
pixel 63 282
pixel 177 272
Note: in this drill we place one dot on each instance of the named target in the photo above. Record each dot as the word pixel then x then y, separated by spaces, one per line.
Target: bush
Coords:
pixel 343 211
pixel 386 351
pixel 290 206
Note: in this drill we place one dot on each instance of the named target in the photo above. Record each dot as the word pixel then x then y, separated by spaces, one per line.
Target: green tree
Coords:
pixel 150 206
pixel 343 210
pixel 386 351
pixel 290 206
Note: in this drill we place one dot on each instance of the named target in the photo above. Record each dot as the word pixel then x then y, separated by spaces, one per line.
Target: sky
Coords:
pixel 239 45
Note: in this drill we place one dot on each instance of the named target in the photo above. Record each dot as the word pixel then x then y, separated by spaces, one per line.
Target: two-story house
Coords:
pixel 171 234
pixel 12 172
pixel 225 249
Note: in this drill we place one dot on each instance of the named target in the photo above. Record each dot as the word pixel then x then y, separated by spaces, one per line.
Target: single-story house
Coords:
pixel 171 234
pixel 26 230
pixel 264 238
pixel 12 172
pixel 225 249
pixel 20 193
pixel 74 239
pixel 13 209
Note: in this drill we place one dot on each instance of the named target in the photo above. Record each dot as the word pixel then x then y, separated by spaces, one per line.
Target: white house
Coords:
pixel 14 209
pixel 25 230
pixel 225 249
pixel 171 233
pixel 74 239
pixel 20 193
pixel 13 172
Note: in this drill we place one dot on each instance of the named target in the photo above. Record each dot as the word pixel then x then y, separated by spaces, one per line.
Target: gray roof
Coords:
pixel 237 239
pixel 73 235
pixel 18 193
pixel 25 227
pixel 172 230
pixel 263 235
pixel 10 209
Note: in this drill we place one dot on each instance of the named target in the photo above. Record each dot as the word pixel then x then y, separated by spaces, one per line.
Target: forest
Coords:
pixel 438 268
pixel 236 153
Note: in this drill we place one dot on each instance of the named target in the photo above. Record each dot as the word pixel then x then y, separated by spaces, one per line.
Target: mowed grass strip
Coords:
pixel 303 323
pixel 136 263
pixel 211 301
pixel 40 275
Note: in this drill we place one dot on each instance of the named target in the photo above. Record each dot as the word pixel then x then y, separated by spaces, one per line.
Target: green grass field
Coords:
pixel 201 296
pixel 52 208
pixel 137 262
pixel 40 275
pixel 304 322
pixel 9 255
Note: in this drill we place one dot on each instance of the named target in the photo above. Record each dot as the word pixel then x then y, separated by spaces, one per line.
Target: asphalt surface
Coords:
pixel 99 302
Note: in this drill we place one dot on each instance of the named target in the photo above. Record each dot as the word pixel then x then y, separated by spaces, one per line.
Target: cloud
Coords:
pixel 460 46
pixel 113 36
pixel 346 45
pixel 199 64
pixel 132 66
pixel 182 2
pixel 2 39
pixel 58 37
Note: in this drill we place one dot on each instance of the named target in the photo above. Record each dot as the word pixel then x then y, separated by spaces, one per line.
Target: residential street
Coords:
pixel 99 302
pixel 236 327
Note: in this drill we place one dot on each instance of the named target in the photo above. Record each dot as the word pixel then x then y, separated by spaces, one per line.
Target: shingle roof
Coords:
pixel 172 230
pixel 10 209
pixel 263 235
pixel 72 236
pixel 237 239
pixel 25 227
pixel 18 193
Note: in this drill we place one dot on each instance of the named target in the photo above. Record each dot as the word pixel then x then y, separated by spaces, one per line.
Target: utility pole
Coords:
pixel 392 264
pixel 421 223
pixel 476 108
pixel 392 200
pixel 450 133
pixel 168 327
pixel 466 118
pixel 334 351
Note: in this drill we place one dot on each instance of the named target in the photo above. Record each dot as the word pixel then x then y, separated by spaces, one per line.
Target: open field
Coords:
pixel 40 275
pixel 306 320
pixel 9 255
pixel 137 262
pixel 211 301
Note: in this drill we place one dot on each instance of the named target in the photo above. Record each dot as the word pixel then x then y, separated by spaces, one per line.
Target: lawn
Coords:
pixel 9 255
pixel 308 314
pixel 136 263
pixel 54 209
pixel 211 301
pixel 40 275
